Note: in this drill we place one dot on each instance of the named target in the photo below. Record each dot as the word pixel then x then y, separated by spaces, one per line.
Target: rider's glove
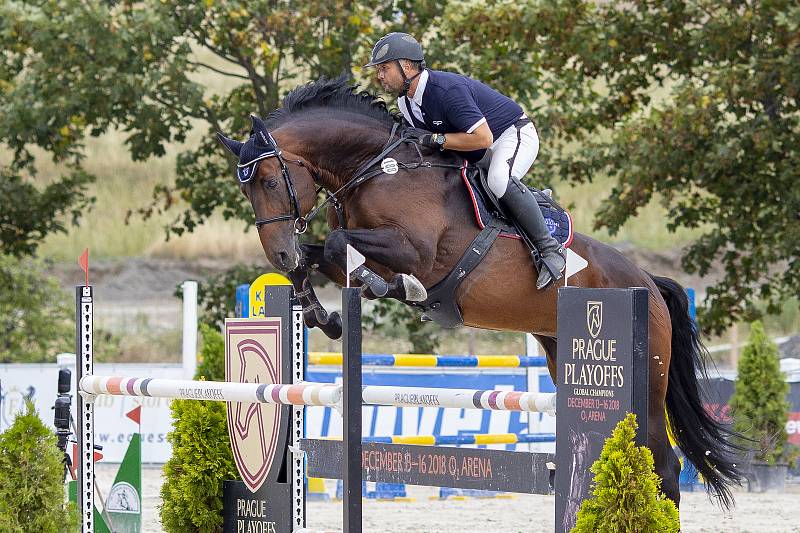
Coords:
pixel 433 140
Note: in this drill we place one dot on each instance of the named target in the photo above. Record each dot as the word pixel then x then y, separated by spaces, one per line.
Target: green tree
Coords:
pixel 626 496
pixel 36 321
pixel 759 404
pixel 28 214
pixel 696 102
pixel 32 496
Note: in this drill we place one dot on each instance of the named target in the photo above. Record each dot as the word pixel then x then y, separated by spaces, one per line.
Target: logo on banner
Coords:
pixel 123 498
pixel 252 355
pixel 594 317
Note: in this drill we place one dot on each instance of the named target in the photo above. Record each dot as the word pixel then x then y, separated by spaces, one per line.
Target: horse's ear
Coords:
pixel 258 125
pixel 234 147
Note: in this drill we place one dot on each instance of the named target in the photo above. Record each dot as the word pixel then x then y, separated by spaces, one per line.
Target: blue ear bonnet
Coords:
pixel 259 146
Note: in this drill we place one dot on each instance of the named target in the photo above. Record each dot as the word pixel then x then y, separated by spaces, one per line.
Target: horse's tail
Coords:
pixel 704 441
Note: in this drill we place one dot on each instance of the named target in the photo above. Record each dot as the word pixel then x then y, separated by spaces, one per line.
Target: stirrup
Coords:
pixel 547 273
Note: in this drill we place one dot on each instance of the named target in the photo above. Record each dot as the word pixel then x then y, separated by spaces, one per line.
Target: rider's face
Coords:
pixel 389 77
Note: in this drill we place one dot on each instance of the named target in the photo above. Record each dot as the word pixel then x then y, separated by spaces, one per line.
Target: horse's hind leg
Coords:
pixel 549 344
pixel 387 248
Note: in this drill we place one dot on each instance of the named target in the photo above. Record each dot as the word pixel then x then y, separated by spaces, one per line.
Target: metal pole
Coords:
pixel 351 412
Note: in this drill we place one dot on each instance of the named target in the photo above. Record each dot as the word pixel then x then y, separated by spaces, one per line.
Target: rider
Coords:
pixel 469 117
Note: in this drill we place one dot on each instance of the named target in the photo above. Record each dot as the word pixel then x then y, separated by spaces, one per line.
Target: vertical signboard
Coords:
pixel 602 335
pixel 259 350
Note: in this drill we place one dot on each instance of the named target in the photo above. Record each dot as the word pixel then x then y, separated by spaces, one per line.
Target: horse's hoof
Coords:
pixel 332 328
pixel 414 289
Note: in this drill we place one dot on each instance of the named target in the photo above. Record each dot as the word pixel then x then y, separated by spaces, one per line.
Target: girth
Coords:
pixel 441 305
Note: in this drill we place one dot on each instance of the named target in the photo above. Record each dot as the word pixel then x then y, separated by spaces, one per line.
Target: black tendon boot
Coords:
pixel 521 204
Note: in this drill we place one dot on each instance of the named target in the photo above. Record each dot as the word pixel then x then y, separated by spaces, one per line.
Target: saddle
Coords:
pixel 441 306
pixel 488 209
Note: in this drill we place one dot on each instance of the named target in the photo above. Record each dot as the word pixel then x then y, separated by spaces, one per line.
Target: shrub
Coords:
pixel 759 403
pixel 626 496
pixel 201 454
pixel 32 484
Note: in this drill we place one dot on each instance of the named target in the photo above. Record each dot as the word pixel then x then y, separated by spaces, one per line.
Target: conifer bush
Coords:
pixel 626 496
pixel 759 404
pixel 32 494
pixel 201 454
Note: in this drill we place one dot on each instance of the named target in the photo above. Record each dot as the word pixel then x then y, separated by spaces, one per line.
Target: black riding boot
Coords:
pixel 521 204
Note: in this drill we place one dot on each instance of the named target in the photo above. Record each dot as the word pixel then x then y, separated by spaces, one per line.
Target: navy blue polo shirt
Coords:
pixel 451 103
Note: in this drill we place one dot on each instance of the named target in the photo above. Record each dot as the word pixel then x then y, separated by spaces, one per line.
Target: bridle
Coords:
pixel 365 172
pixel 300 223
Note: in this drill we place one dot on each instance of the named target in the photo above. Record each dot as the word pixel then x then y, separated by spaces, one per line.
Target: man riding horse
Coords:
pixel 405 207
pixel 474 120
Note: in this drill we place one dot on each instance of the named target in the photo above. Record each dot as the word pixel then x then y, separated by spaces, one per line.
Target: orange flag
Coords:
pixel 83 261
pixel 135 415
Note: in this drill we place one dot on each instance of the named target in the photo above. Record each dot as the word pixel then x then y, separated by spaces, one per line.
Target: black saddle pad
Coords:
pixel 486 209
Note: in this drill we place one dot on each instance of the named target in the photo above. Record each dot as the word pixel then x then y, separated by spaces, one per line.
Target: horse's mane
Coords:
pixel 336 94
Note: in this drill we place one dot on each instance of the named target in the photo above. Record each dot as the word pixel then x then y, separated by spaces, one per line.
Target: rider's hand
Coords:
pixel 415 133
pixel 427 141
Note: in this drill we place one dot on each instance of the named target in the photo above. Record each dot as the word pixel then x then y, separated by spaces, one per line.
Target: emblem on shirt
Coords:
pixel 437 122
pixel 389 166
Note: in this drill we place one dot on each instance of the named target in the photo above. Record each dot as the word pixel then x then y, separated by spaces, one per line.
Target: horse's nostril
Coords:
pixel 282 258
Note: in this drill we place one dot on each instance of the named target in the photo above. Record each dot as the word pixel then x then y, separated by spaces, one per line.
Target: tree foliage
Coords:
pixel 759 404
pixel 696 102
pixel 29 214
pixel 693 103
pixel 626 496
pixel 36 322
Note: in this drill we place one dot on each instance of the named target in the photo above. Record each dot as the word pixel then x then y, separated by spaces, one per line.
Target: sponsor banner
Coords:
pixel 269 510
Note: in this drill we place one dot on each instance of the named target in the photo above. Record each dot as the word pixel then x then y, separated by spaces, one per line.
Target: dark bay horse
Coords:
pixel 414 224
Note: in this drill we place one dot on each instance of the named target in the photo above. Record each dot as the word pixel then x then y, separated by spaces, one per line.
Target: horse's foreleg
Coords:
pixel 313 258
pixel 314 315
pixel 389 248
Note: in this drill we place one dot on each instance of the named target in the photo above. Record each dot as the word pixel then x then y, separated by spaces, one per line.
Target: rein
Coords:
pixel 363 173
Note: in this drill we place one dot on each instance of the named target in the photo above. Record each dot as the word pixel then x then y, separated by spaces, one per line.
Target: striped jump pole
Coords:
pixel 319 394
pixel 494 400
pixel 325 394
pixel 478 439
pixel 437 361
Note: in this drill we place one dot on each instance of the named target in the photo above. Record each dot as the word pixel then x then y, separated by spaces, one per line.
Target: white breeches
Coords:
pixel 513 153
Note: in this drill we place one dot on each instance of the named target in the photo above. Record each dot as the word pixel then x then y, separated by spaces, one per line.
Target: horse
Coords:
pixel 412 221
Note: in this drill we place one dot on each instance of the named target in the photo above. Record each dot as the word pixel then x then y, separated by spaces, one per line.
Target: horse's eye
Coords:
pixel 270 183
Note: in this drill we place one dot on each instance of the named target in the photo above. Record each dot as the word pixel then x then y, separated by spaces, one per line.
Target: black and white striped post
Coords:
pixel 84 313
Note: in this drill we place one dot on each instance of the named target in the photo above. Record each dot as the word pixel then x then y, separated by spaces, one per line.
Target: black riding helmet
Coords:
pixel 394 47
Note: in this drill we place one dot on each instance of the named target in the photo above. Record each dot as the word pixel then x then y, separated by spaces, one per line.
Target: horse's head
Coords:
pixel 280 188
